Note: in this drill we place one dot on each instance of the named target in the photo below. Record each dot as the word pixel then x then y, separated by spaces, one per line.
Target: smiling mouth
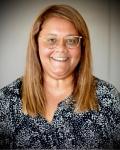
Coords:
pixel 60 59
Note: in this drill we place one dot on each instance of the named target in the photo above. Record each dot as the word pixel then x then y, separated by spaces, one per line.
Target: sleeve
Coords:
pixel 116 118
pixel 109 99
pixel 6 126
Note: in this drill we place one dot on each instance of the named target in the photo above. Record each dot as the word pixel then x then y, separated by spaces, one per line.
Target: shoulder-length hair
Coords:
pixel 33 96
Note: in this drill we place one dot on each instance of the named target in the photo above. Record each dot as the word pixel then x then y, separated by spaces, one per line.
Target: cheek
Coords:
pixel 76 54
pixel 44 52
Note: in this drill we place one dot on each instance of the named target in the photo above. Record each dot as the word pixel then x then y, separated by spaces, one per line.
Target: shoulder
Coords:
pixel 109 107
pixel 107 94
pixel 10 93
pixel 12 88
pixel 104 87
pixel 9 108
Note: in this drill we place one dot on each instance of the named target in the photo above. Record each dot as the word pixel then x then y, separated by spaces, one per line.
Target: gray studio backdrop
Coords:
pixel 102 17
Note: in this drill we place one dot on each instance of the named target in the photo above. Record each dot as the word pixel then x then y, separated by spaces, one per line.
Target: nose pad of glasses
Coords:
pixel 61 45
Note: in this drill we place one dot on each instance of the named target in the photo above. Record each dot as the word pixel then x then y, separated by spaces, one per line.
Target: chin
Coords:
pixel 60 75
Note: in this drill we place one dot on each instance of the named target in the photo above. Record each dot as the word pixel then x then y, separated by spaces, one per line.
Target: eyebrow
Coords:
pixel 52 34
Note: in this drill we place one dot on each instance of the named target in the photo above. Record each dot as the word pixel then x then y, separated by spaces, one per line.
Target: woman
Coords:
pixel 58 103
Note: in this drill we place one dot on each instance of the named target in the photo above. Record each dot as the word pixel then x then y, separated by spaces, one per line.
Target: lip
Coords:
pixel 60 59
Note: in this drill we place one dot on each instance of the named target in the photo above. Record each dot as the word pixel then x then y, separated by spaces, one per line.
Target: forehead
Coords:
pixel 58 24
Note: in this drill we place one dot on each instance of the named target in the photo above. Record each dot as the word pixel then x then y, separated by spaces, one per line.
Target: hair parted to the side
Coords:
pixel 33 96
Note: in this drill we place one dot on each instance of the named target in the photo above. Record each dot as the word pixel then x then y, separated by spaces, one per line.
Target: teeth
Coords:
pixel 60 58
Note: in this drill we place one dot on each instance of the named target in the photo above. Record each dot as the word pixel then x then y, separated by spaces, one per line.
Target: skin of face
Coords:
pixel 58 63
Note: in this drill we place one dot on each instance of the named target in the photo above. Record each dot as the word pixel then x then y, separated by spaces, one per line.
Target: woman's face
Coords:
pixel 57 57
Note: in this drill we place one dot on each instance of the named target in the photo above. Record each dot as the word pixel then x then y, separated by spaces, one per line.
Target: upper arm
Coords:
pixel 5 120
pixel 116 118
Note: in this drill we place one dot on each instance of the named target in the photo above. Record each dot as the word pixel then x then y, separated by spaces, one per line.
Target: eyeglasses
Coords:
pixel 70 42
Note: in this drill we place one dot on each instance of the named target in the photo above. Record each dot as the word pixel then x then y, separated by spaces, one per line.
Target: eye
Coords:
pixel 72 41
pixel 51 40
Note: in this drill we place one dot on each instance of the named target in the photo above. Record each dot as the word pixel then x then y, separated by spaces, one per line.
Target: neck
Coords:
pixel 58 87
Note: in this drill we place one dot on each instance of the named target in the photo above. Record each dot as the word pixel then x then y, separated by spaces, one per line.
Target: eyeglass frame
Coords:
pixel 54 46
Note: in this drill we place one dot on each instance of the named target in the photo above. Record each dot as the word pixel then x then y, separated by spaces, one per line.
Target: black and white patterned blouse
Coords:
pixel 68 130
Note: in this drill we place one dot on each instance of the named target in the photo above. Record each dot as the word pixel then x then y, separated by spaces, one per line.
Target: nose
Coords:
pixel 61 46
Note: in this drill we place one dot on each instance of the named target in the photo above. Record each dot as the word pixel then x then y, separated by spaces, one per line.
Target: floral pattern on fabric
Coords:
pixel 68 130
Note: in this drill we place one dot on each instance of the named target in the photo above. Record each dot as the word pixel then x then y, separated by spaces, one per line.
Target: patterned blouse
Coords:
pixel 68 129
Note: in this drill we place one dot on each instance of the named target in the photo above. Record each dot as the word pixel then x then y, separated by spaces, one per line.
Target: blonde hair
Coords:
pixel 33 96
